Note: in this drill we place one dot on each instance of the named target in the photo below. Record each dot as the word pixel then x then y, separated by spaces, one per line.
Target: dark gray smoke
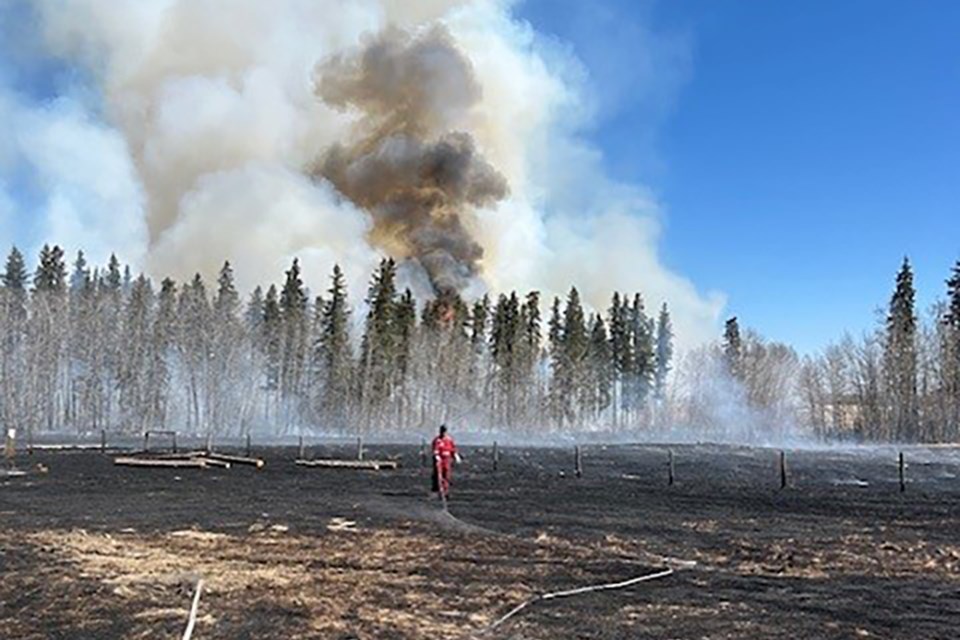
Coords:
pixel 410 166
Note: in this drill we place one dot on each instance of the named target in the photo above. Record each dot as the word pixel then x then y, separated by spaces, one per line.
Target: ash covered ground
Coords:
pixel 90 550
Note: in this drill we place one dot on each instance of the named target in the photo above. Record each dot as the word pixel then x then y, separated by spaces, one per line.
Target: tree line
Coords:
pixel 900 382
pixel 90 348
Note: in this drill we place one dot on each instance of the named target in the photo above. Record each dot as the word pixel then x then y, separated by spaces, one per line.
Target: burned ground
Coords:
pixel 90 550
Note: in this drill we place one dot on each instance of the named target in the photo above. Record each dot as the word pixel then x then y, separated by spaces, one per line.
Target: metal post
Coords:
pixel 103 440
pixel 174 441
pixel 249 452
pixel 578 464
pixel 300 455
pixel 359 447
pixel 146 441
pixel 496 456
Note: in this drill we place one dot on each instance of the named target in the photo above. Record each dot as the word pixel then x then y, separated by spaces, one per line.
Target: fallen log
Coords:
pixel 369 465
pixel 195 463
pixel 213 462
pixel 66 447
pixel 256 462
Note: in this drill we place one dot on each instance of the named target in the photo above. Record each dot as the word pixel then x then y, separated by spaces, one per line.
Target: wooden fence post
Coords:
pixel 783 469
pixel 903 479
pixel 670 471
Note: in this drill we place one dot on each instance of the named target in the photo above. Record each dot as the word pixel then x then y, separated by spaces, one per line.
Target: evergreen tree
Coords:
pixel 733 349
pixel 136 354
pixel 15 273
pixel 644 357
pixel 80 278
pixel 600 370
pixel 378 346
pixel 478 321
pixel 163 335
pixel 333 354
pixel 195 344
pixel 48 340
pixel 271 340
pixel 14 336
pixel 51 274
pixel 900 358
pixel 253 316
pixel 664 351
pixel 950 355
pixel 114 278
pixel 294 320
pixel 569 362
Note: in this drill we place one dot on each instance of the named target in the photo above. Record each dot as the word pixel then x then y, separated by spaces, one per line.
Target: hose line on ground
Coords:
pixel 571 592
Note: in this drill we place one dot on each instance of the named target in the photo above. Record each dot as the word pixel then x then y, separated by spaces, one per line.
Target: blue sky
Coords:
pixel 799 149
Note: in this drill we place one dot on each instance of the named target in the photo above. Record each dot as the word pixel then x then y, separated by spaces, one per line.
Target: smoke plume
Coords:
pixel 181 133
pixel 409 166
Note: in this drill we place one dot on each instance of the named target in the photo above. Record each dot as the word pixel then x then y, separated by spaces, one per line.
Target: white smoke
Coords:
pixel 198 145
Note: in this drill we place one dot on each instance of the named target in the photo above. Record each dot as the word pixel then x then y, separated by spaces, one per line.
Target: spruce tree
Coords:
pixel 733 349
pixel 136 355
pixel 294 319
pixel 900 358
pixel 332 351
pixel 15 272
pixel 950 354
pixel 622 356
pixel 163 335
pixel 478 321
pixel 664 351
pixel 253 315
pixel 80 278
pixel 51 274
pixel 378 345
pixel 194 343
pixel 599 368
pixel 570 363
pixel 14 335
pixel 271 339
pixel 644 357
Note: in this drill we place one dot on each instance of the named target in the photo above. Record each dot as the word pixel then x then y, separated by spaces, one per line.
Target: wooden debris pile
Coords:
pixel 187 460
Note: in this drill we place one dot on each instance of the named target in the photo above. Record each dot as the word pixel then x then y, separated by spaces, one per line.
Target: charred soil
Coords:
pixel 91 550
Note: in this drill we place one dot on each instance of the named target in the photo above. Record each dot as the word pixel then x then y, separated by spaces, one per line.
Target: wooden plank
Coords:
pixel 369 465
pixel 195 463
pixel 256 462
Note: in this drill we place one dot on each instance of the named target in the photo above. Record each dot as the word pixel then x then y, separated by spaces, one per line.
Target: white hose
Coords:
pixel 573 592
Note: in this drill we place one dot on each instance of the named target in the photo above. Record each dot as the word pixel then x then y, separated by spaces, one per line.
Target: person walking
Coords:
pixel 444 455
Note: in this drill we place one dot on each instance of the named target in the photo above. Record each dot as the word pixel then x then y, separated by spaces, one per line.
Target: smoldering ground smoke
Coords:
pixel 408 165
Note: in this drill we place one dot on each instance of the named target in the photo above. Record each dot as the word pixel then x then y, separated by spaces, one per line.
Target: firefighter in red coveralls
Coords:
pixel 444 455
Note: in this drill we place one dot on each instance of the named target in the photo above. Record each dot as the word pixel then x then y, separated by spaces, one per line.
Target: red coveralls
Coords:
pixel 444 451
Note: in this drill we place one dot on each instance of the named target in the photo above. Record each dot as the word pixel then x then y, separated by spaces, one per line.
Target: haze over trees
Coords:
pixel 89 348
pixel 96 348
